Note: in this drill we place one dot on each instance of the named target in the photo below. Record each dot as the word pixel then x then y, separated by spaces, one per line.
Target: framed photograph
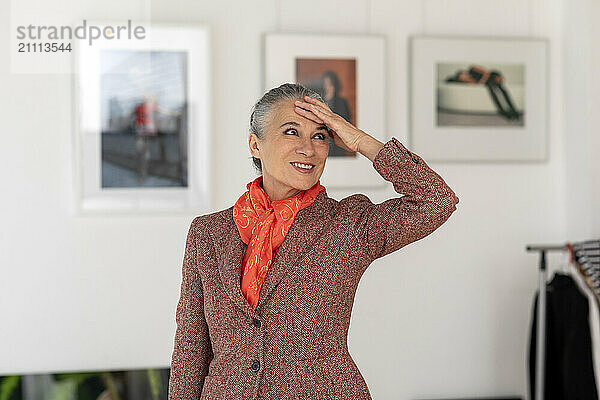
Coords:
pixel 142 107
pixel 348 71
pixel 479 99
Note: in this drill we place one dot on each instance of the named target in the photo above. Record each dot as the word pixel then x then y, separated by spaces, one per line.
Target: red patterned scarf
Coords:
pixel 263 224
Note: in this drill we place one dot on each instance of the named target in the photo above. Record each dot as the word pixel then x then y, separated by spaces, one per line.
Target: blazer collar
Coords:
pixel 308 224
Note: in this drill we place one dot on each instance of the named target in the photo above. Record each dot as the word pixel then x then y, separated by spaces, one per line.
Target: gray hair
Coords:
pixel 263 107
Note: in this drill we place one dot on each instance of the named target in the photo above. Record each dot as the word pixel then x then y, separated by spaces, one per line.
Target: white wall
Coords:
pixel 446 316
pixel 594 106
pixel 581 167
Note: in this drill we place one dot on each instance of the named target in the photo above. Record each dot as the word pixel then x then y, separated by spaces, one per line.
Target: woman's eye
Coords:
pixel 322 135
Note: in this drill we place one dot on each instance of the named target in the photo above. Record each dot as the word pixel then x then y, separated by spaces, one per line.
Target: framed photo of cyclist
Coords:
pixel 479 99
pixel 141 103
pixel 348 71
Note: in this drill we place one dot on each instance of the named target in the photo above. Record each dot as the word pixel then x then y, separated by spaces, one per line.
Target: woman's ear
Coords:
pixel 252 142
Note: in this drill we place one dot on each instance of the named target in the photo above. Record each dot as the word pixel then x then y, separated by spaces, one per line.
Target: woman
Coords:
pixel 337 104
pixel 261 317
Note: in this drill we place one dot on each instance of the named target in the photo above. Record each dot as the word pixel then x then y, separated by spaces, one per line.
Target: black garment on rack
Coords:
pixel 569 371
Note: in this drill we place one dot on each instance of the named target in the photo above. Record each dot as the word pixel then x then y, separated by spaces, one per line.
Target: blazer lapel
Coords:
pixel 308 224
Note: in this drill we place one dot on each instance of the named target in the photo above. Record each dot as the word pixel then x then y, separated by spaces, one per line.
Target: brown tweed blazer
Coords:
pixel 294 345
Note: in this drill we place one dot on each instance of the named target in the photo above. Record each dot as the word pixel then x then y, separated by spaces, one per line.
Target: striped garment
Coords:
pixel 587 255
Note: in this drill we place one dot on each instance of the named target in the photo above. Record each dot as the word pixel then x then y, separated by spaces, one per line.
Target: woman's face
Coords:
pixel 290 137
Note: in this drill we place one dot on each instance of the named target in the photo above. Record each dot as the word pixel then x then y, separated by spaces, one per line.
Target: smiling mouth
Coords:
pixel 301 167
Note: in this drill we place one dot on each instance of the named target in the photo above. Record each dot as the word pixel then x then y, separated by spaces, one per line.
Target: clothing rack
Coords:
pixel 541 321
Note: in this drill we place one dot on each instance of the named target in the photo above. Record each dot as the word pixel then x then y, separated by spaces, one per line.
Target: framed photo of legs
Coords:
pixel 479 99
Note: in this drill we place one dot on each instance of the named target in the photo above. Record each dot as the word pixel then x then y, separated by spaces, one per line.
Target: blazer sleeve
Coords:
pixel 192 351
pixel 427 202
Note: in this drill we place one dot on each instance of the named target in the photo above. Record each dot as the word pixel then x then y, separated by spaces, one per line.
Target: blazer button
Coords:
pixel 256 322
pixel 255 365
pixel 415 160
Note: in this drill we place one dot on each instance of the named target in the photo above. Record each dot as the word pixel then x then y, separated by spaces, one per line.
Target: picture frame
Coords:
pixel 349 72
pixel 455 116
pixel 142 121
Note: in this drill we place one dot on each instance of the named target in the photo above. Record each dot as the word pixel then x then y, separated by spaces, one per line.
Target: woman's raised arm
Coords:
pixel 427 202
